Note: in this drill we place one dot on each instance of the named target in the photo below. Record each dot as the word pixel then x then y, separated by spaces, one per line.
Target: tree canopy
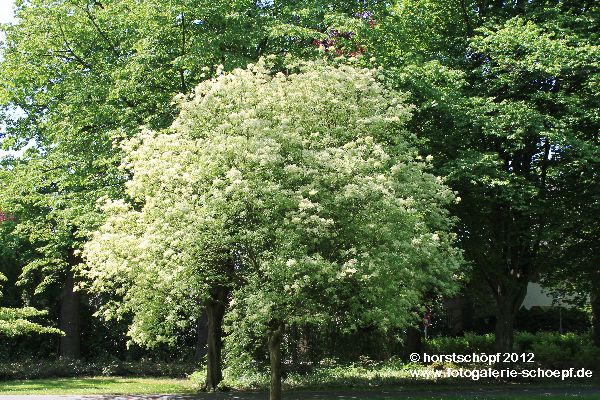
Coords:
pixel 306 181
pixel 209 193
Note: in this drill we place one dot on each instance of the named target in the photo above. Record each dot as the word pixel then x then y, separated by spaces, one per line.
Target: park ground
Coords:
pixel 130 388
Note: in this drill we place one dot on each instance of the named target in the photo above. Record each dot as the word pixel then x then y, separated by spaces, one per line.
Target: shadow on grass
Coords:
pixel 92 386
pixel 85 387
pixel 63 383
pixel 391 393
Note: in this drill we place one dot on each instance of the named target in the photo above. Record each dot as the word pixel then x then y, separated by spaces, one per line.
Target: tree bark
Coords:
pixel 69 314
pixel 508 303
pixel 275 339
pixel 504 326
pixel 215 310
pixel 201 337
pixel 595 300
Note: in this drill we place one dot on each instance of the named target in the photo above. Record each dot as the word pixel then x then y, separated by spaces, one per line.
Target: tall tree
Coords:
pixel 306 183
pixel 505 95
pixel 537 86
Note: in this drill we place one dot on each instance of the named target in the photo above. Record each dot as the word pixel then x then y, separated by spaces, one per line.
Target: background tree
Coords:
pixel 535 118
pixel 16 321
pixel 504 95
pixel 83 74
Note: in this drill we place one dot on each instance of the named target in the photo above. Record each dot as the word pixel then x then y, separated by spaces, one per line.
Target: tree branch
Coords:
pixel 70 49
pixel 112 46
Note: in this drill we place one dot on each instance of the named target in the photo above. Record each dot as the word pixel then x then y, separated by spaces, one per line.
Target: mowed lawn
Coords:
pixel 98 385
pixel 141 386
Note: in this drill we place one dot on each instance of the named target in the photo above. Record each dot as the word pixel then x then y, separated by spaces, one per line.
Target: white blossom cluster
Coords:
pixel 307 181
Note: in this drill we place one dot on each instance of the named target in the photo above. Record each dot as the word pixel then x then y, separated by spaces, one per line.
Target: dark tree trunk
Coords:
pixel 504 325
pixel 413 341
pixel 69 314
pixel 508 303
pixel 201 337
pixel 595 300
pixel 275 338
pixel 215 310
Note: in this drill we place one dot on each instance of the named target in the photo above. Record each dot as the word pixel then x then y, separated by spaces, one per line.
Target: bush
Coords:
pixel 554 350
pixel 467 344
pixel 539 319
pixel 64 368
pixel 31 369
pixel 524 341
pixel 329 373
pixel 551 350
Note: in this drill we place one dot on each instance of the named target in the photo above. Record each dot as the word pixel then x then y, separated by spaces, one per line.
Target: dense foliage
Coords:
pixel 505 98
pixel 301 192
pixel 16 321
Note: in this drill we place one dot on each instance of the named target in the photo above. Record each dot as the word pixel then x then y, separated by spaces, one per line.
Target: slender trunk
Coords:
pixel 275 338
pixel 69 314
pixel 201 337
pixel 215 310
pixel 595 300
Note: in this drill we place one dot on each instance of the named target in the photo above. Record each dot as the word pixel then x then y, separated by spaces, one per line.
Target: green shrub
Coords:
pixel 524 341
pixel 64 368
pixel 569 350
pixel 30 369
pixel 365 372
pixel 469 343
pixel 550 349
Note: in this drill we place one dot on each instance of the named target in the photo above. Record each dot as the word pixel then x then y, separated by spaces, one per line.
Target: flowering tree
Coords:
pixel 301 193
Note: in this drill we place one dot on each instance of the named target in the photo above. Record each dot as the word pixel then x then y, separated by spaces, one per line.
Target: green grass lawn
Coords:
pixel 97 385
pixel 414 391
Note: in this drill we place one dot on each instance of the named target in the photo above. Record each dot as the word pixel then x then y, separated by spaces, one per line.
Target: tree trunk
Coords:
pixel 508 302
pixel 201 337
pixel 504 326
pixel 215 310
pixel 595 300
pixel 413 341
pixel 275 338
pixel 69 315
